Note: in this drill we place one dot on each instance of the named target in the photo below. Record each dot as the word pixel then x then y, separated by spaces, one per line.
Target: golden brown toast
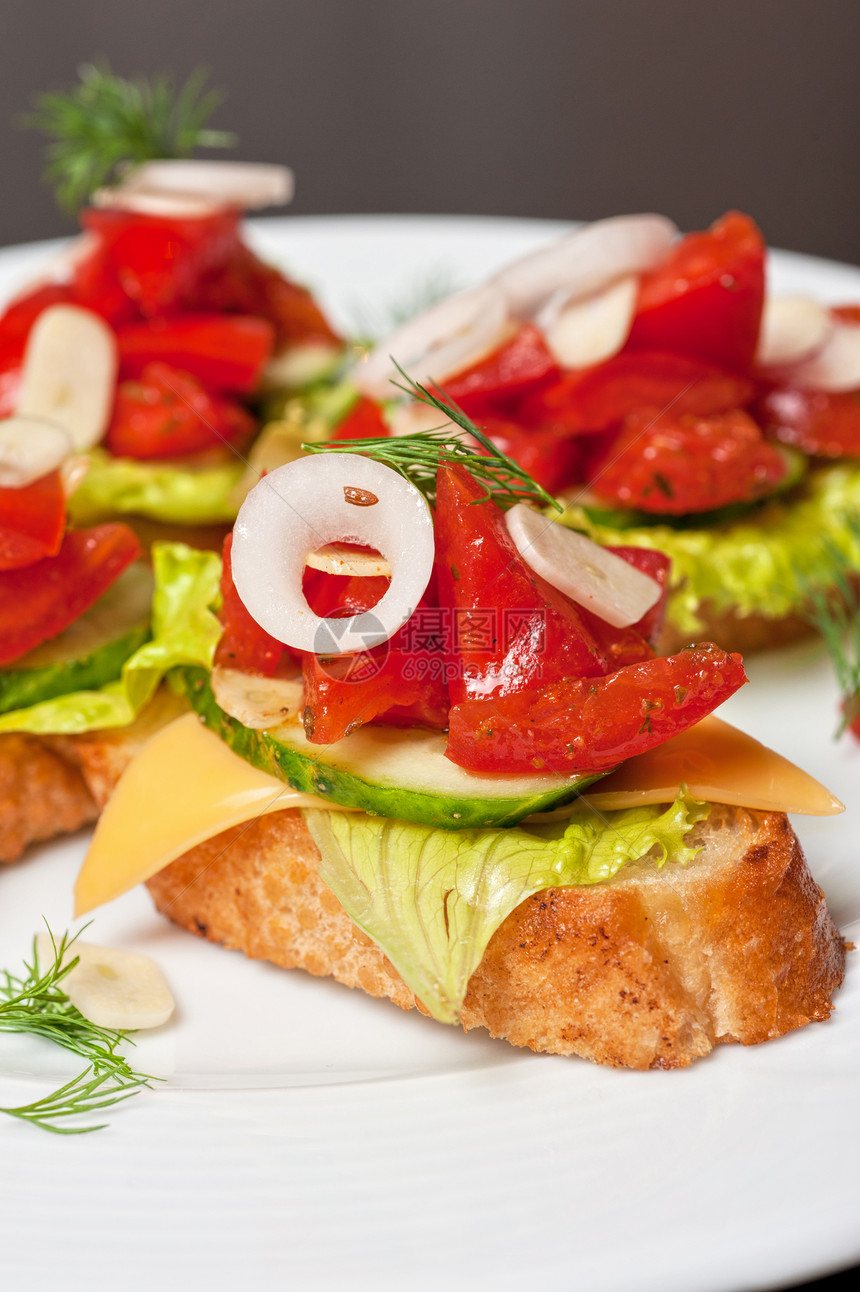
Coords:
pixel 651 969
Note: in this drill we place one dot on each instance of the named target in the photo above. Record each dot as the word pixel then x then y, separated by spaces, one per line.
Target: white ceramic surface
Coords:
pixel 309 1137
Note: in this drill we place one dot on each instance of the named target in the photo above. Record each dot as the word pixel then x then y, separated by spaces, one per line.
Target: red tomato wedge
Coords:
pixel 677 465
pixel 706 297
pixel 166 414
pixel 657 565
pixel 598 398
pixel 507 628
pixel 583 725
pixel 38 602
pixel 243 645
pixel 225 352
pixel 554 460
pixel 364 421
pixel 820 423
pixel 32 521
pixel 244 284
pixel 510 370
pixel 21 314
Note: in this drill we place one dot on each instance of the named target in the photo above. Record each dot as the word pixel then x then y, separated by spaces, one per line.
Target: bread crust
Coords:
pixel 42 793
pixel 736 632
pixel 650 970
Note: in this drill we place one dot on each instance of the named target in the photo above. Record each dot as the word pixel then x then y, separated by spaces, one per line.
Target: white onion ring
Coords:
pixel 299 508
pixel 590 575
pixel 29 449
pixel 448 337
pixel 589 330
pixel 792 329
pixel 585 261
pixel 835 367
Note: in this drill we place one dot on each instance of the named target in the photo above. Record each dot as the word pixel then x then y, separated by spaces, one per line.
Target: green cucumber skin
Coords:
pixel 20 688
pixel 312 776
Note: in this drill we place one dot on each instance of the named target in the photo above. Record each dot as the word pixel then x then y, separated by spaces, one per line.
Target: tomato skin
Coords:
pixel 821 423
pixel 678 465
pixel 706 297
pixel 38 602
pixel 551 459
pixel 11 364
pixel 582 725
pixel 243 645
pixel 226 353
pixel 168 414
pixel 509 629
pixel 522 362
pixel 245 284
pixel 598 398
pixel 20 315
pixel 658 566
pixel 32 521
pixel 364 421
pixel 157 262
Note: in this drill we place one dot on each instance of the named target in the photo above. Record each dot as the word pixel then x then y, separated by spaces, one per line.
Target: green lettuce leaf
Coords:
pixel 761 565
pixel 186 493
pixel 432 899
pixel 184 631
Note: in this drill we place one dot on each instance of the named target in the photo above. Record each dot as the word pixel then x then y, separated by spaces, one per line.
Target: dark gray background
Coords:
pixel 563 108
pixel 566 108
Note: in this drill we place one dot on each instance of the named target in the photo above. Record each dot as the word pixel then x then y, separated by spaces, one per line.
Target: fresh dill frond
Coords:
pixel 418 457
pixel 34 1003
pixel 108 121
pixel 833 610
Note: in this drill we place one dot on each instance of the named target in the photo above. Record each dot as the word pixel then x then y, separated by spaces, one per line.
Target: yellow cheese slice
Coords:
pixel 184 787
pixel 718 764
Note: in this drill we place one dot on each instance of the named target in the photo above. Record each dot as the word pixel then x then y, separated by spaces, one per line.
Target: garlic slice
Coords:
pixel 250 185
pixel 792 328
pixel 112 988
pixel 335 559
pixel 29 449
pixel 69 373
pixel 589 330
pixel 257 702
pixel 590 575
pixel 835 367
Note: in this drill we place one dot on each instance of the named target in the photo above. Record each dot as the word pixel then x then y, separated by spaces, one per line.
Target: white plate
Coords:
pixel 309 1137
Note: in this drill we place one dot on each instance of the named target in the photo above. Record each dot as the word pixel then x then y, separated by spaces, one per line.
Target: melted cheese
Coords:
pixel 718 764
pixel 184 787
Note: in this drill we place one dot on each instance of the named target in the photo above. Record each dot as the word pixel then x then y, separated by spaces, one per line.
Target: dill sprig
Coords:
pixel 418 457
pixel 833 609
pixel 107 122
pixel 35 1003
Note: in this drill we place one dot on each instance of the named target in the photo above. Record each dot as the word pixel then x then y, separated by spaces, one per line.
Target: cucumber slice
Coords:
pixel 385 771
pixel 90 652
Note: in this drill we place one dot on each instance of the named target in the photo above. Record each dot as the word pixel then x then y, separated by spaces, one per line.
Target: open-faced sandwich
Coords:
pixel 649 381
pixel 198 326
pixel 398 771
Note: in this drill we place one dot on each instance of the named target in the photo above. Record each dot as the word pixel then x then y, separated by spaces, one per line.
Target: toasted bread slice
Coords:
pixel 42 793
pixel 651 969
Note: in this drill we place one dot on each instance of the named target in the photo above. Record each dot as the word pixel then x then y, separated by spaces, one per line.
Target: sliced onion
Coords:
pixel 585 261
pixel 69 373
pixel 835 367
pixel 591 329
pixel 300 508
pixel 29 449
pixel 257 702
pixel 336 559
pixel 250 185
pixel 590 575
pixel 792 328
pixel 448 337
